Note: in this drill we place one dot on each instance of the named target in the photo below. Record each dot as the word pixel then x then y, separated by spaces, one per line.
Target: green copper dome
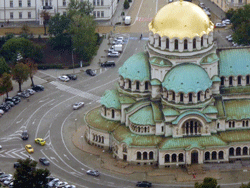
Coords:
pixel 110 99
pixel 136 68
pixel 187 78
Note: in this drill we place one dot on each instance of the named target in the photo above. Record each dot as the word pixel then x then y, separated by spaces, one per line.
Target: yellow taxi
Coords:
pixel 40 141
pixel 29 148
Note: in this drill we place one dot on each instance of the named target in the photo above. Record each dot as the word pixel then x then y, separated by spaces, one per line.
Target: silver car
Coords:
pixel 78 105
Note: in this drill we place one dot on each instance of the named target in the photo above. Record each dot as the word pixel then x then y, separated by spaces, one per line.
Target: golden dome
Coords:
pixel 181 19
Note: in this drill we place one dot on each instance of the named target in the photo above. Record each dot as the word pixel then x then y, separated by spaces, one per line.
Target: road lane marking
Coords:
pixel 66 156
pixel 53 158
pixel 43 100
pixel 33 122
pixel 19 121
pixel 137 13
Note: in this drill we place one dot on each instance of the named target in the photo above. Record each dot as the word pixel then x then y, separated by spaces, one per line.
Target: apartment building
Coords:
pixel 225 5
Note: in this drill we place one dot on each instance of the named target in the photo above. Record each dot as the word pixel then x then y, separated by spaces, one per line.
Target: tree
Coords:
pixel 32 68
pixel 58 24
pixel 245 186
pixel 27 176
pixel 207 183
pixel 46 16
pixel 230 13
pixel 20 74
pixel 5 83
pixel 3 66
pixel 78 7
pixel 126 4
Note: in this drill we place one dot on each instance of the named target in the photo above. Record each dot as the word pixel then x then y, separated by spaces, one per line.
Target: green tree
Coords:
pixel 5 84
pixel 82 30
pixel 20 74
pixel 230 13
pixel 245 186
pixel 3 66
pixel 46 17
pixel 78 7
pixel 58 25
pixel 27 176
pixel 32 68
pixel 207 183
pixel 126 4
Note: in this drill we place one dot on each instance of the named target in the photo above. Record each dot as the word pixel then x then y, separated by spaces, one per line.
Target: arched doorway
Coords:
pixel 194 157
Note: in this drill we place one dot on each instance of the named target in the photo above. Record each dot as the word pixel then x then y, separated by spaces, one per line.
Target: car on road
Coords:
pixel 38 88
pixel 202 5
pixel 114 54
pixel 220 25
pixel 93 173
pixel 60 184
pixel 16 165
pixel 78 105
pixel 53 182
pixel 31 91
pixel 90 72
pixel 63 78
pixel 72 76
pixel 230 39
pixel 108 64
pixel 25 135
pixel 143 184
pixel 40 141
pixel 29 148
pixel 44 161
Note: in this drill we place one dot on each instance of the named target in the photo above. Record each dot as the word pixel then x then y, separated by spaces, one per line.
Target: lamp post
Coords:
pixel 82 137
pixel 76 124
pixel 73 61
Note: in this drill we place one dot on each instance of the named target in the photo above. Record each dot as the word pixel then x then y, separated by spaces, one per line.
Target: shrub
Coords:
pixel 126 4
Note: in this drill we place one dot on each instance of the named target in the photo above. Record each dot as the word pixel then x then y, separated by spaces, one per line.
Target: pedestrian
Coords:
pixel 194 175
pixel 141 37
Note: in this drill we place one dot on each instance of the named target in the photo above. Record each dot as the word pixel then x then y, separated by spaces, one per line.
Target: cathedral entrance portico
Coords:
pixel 194 157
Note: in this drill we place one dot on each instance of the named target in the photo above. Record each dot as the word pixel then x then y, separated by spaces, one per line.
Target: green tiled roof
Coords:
pixel 211 58
pixel 235 136
pixel 137 104
pixel 237 89
pixel 144 116
pixel 192 142
pixel 110 99
pixel 234 62
pixel 158 116
pixel 155 82
pixel 170 112
pixel 216 78
pixel 123 134
pixel 187 78
pixel 219 106
pixel 237 109
pixel 126 100
pixel 159 61
pixel 136 68
pixel 190 113
pixel 210 110
pixel 94 119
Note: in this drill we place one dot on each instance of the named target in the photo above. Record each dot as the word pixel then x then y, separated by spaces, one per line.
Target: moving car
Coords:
pixel 90 72
pixel 25 135
pixel 108 64
pixel 93 173
pixel 63 78
pixel 78 105
pixel 72 76
pixel 44 161
pixel 143 184
pixel 29 148
pixel 40 141
pixel 38 88
pixel 114 54
pixel 219 25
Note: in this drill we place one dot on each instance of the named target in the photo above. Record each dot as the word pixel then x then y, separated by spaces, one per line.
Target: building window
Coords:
pixel 138 155
pixel 218 125
pixel 145 155
pixel 29 15
pixel 102 14
pixel 238 151
pixel 231 152
pixel 94 13
pixel 185 44
pixel 11 15
pixel 247 79
pixel 167 158
pixel 137 85
pixel 98 16
pixel 245 149
pixel 230 81
pixel 201 41
pixel 162 128
pixel 243 123
pixel 11 4
pixel 146 85
pixel 222 81
pixel 207 156
pixel 151 155
pixel 239 80
pixel 102 2
pixel 221 155
pixel 181 97
pixel 98 2
pixel 176 44
pixel 194 43
pixel 64 3
pixel 190 97
pixel 180 159
pixel 113 113
pixel 29 3
pixel 64 13
pixel 173 96
pixel 20 3
pixel 20 15
pixel 94 3
pixel 174 158
pixel 167 43
pixel 214 155
pixel 240 1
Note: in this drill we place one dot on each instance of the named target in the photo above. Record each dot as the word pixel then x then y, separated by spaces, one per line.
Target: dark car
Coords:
pixel 143 184
pixel 44 161
pixel 108 64
pixel 10 103
pixel 17 164
pixel 12 99
pixel 5 107
pixel 93 173
pixel 25 135
pixel 23 94
pixel 17 98
pixel 90 72
pixel 38 88
pixel 72 76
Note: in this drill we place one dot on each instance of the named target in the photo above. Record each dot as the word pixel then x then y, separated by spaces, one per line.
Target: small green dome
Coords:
pixel 136 68
pixel 110 99
pixel 187 78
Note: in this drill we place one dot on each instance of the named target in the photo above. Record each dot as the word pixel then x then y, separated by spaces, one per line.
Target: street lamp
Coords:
pixel 82 141
pixel 76 124
pixel 73 61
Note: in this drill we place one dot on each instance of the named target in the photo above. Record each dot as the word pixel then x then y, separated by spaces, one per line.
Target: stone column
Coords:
pixel 121 81
pixel 126 84
pixel 163 43
pixel 133 86
pixel 235 81
pixel 170 96
pixel 190 45
pixel 202 96
pixel 142 87
pixel 151 38
pixel 243 80
pixel 226 82
pixel 177 98
pixel 210 38
pixel 180 45
pixel 205 40
pixel 194 98
pixel 198 43
pixel 171 45
pixel 156 37
pixel 185 100
pixel 165 94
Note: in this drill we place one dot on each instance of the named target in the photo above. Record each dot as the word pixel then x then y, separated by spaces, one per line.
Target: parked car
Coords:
pixel 3 177
pixel 44 161
pixel 7 181
pixel 114 54
pixel 4 107
pixel 40 141
pixel 31 91
pixel 93 173
pixel 228 36
pixel 1 112
pixel 60 184
pixel 108 64
pixel 202 5
pixel 90 72
pixel 143 184
pixel 17 98
pixel 72 76
pixel 78 105
pixel 10 103
pixel 12 99
pixel 53 182
pixel 70 186
pixel 230 39
pixel 23 94
pixel 226 21
pixel 119 38
pixel 63 78
pixel 38 88
pixel 219 25
pixel 16 165
pixel 25 135
pixel 29 148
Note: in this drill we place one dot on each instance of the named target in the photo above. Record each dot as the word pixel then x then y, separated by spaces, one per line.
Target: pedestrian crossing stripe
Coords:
pixel 144 19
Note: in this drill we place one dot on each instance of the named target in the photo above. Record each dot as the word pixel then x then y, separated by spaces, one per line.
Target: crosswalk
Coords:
pixel 137 38
pixel 75 91
pixel 15 153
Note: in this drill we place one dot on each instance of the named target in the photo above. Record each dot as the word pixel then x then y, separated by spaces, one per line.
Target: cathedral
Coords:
pixel 182 101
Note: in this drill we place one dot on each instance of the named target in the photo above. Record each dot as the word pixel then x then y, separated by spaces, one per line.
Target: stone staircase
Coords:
pixel 195 168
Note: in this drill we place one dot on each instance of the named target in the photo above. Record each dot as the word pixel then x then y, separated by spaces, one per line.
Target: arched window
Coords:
pixel 173 94
pixel 185 44
pixel 159 41
pixel 190 97
pixel 180 158
pixel 176 44
pixel 181 97
pixel 222 81
pixel 214 155
pixel 167 43
pixel 201 41
pixel 247 80
pixel 199 96
pixel 191 127
pixel 221 155
pixel 206 93
pixel 124 148
pixel 230 81
pixel 113 113
pixel 105 111
pixel 194 43
pixel 151 155
pixel 145 155
pixel 102 139
pixel 238 151
pixel 245 149
pixel 129 84
pixel 137 85
pixel 138 155
pixel 146 85
pixel 207 155
pixel 246 123
pixel 243 123
pixel 239 80
pixel 167 158
pixel 174 158
pixel 231 151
